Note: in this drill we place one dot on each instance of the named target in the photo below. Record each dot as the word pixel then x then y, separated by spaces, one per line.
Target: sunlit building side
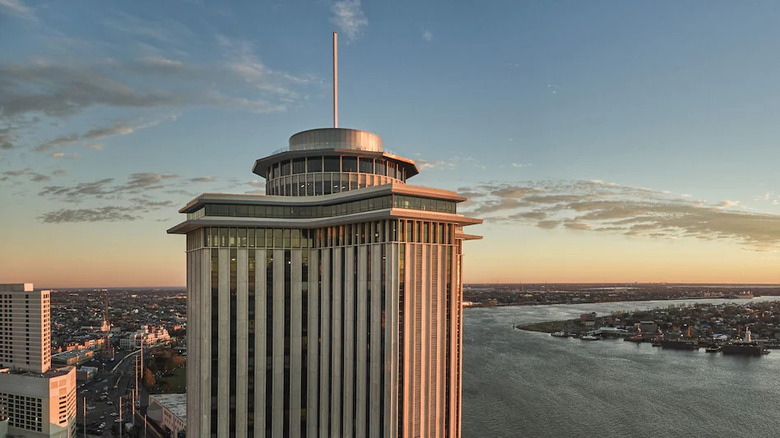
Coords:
pixel 35 399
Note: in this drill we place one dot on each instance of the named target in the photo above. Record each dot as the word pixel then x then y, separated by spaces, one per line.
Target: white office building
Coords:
pixel 331 306
pixel 35 400
pixel 25 328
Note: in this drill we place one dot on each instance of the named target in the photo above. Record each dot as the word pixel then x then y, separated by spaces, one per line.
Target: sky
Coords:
pixel 600 141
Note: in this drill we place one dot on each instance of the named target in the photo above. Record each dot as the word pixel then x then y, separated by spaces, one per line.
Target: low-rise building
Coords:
pixel 147 336
pixel 72 357
pixel 38 405
pixel 86 373
pixel 169 411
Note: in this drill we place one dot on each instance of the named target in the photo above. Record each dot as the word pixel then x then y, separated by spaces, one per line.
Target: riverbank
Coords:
pixel 705 322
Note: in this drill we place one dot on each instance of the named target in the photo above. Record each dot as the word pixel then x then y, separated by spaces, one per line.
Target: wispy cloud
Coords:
pixel 58 90
pixel 769 197
pixel 598 206
pixel 100 214
pixel 427 35
pixel 119 127
pixel 348 17
pixel 242 62
pixel 63 155
pixel 16 7
pixel 28 174
pixel 436 164
pixel 7 139
pixel 108 188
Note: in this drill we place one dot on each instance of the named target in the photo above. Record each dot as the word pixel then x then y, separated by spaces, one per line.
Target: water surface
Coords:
pixel 527 384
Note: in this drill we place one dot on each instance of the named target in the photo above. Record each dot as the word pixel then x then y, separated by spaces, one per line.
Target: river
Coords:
pixel 527 384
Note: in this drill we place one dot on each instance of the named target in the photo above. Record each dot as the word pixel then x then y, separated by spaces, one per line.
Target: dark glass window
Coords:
pixel 349 164
pixel 285 168
pixel 380 167
pixel 315 164
pixel 260 233
pixel 366 165
pixel 332 164
pixel 299 165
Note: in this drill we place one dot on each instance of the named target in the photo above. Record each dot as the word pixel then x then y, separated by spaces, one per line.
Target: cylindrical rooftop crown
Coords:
pixel 335 138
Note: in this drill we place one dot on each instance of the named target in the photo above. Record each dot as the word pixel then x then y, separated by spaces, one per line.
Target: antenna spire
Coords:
pixel 335 81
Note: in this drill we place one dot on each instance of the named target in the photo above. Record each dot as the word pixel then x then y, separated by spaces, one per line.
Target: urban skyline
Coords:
pixel 600 142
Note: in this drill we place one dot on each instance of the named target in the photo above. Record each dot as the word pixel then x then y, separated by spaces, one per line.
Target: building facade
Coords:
pixel 147 335
pixel 35 400
pixel 169 411
pixel 332 305
pixel 25 328
pixel 39 405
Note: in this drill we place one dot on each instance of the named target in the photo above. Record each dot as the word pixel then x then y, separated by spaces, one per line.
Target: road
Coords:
pixel 103 393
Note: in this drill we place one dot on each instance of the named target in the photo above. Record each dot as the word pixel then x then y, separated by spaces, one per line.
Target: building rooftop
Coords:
pixel 16 287
pixel 52 372
pixel 176 403
pixel 70 354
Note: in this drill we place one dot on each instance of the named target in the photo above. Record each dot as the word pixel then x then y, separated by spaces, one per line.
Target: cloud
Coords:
pixel 520 165
pixel 60 90
pixel 59 141
pixel 726 204
pixel 130 200
pixel 438 164
pixel 16 7
pixel 26 173
pixel 63 155
pixel 100 214
pixel 427 35
pixel 634 211
pixel 348 17
pixel 241 62
pixel 7 139
pixel 119 128
pixel 107 188
pixel 203 179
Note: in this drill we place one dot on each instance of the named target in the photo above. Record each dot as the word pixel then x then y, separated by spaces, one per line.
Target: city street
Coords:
pixel 102 394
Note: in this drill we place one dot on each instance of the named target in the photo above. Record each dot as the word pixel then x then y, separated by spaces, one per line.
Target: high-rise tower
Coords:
pixel 35 400
pixel 25 332
pixel 331 306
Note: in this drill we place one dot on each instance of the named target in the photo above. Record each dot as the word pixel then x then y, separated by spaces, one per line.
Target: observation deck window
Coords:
pixel 349 164
pixel 332 164
pixel 315 164
pixel 366 165
pixel 285 168
pixel 299 165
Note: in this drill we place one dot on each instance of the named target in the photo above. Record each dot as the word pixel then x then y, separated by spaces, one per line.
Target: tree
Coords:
pixel 149 380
